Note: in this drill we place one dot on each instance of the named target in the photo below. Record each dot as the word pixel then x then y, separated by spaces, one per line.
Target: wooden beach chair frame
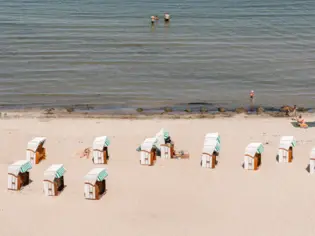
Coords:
pixel 100 189
pixel 171 148
pixel 40 153
pixel 257 160
pixel 290 153
pixel 213 157
pixel 152 157
pixel 58 185
pixel 105 155
pixel 22 179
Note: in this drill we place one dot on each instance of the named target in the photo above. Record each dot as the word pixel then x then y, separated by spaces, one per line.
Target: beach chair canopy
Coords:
pixel 163 133
pixel 34 143
pixel 54 171
pixel 254 148
pixel 96 174
pixel 313 154
pixel 19 166
pixel 101 142
pixel 287 141
pixel 161 136
pixel 148 144
pixel 211 136
pixel 210 146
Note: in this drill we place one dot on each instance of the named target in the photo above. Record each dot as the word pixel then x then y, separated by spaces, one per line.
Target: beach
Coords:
pixel 173 197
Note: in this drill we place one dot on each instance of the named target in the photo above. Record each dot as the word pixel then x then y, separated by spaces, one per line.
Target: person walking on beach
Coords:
pixel 251 99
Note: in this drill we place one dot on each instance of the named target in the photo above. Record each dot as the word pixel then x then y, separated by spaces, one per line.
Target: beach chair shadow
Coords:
pixel 243 165
pixel 61 190
pixel 27 185
pixel 103 194
pixel 308 169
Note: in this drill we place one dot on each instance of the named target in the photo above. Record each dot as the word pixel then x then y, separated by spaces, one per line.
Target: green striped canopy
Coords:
pixel 60 172
pixel 100 142
pixel 293 143
pixel 102 175
pixel 107 142
pixel 260 149
pixel 25 167
pixel 166 134
pixel 218 147
pixel 212 136
pixel 287 141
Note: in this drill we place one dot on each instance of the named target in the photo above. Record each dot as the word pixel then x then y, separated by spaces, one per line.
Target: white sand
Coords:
pixel 174 197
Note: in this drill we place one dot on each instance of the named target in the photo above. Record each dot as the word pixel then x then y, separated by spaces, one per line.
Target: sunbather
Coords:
pixel 301 122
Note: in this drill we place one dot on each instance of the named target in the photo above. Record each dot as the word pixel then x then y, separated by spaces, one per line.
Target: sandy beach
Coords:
pixel 173 197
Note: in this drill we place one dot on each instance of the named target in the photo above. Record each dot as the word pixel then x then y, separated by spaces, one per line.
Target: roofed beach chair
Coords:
pixel 252 156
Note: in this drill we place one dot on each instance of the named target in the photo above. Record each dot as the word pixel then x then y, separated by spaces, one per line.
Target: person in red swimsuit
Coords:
pixel 251 97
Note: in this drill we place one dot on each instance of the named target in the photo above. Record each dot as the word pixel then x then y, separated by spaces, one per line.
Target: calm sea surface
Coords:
pixel 106 53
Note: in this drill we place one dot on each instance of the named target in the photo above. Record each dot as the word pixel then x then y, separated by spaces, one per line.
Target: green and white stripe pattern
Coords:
pixel 166 134
pixel 60 172
pixel 219 139
pixel 102 175
pixel 107 142
pixel 26 167
pixel 293 143
pixel 260 149
pixel 217 147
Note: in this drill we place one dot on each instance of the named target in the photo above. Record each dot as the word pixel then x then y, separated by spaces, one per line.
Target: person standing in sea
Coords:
pixel 252 100
pixel 167 17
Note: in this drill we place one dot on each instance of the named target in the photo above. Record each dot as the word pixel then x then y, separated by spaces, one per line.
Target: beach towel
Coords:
pixel 310 124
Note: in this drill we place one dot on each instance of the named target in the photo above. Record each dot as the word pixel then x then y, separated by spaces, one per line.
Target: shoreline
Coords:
pixel 162 113
pixel 175 109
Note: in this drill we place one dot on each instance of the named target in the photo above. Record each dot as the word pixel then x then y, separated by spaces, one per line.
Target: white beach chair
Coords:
pixel 148 151
pixel 252 156
pixel 285 151
pixel 211 149
pixel 18 174
pixel 166 149
pixel 95 183
pixel 100 150
pixel 35 151
pixel 54 180
pixel 312 161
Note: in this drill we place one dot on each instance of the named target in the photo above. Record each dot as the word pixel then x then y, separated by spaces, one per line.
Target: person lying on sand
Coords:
pixel 86 153
pixel 301 122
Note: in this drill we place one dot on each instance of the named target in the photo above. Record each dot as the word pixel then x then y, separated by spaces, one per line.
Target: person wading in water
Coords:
pixel 167 17
pixel 251 99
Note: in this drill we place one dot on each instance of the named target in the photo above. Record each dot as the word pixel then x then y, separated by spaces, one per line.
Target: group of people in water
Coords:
pixel 154 19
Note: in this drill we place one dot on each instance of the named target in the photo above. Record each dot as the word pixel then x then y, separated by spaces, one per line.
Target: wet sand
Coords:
pixel 173 197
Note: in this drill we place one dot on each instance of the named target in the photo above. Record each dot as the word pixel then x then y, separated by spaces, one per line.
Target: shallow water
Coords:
pixel 106 53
